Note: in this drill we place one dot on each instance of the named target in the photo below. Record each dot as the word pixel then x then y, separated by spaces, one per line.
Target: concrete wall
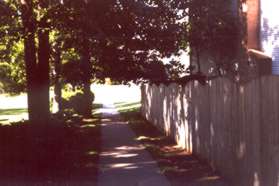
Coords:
pixel 234 126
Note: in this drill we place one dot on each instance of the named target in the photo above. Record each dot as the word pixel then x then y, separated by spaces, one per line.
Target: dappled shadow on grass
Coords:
pixel 178 165
pixel 97 106
pixel 14 111
pixel 7 116
pixel 124 107
pixel 59 152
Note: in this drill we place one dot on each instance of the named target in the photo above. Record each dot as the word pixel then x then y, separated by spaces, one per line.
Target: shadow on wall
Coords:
pixel 233 126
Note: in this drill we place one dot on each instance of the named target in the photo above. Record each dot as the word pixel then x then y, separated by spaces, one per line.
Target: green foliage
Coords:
pixel 68 92
pixel 174 69
pixel 12 74
pixel 77 102
pixel 72 73
pixel 74 100
pixel 129 39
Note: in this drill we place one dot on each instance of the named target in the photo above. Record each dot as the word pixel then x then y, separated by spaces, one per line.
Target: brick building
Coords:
pixel 263 29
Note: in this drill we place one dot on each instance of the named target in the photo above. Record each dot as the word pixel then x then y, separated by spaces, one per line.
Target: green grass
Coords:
pixel 97 106
pixel 8 116
pixel 124 107
pixel 14 111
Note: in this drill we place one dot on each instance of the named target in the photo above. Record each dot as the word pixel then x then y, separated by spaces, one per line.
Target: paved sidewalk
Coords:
pixel 124 161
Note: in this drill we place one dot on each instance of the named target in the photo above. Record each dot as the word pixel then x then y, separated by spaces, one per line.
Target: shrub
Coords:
pixel 78 102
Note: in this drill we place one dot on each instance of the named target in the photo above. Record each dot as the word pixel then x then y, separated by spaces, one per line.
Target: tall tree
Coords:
pixel 35 22
pixel 43 61
pixel 57 58
pixel 29 26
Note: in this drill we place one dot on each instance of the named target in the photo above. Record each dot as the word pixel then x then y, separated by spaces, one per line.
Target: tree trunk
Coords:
pixel 37 74
pixel 86 68
pixel 43 73
pixel 57 81
pixel 191 67
pixel 32 84
pixel 198 61
pixel 28 20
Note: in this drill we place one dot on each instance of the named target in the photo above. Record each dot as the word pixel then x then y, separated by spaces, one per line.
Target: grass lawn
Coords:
pixel 14 111
pixel 61 153
pixel 177 165
pixel 9 115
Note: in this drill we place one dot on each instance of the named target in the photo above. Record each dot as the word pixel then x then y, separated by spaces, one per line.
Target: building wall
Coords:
pixel 269 33
pixel 253 24
pixel 263 29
